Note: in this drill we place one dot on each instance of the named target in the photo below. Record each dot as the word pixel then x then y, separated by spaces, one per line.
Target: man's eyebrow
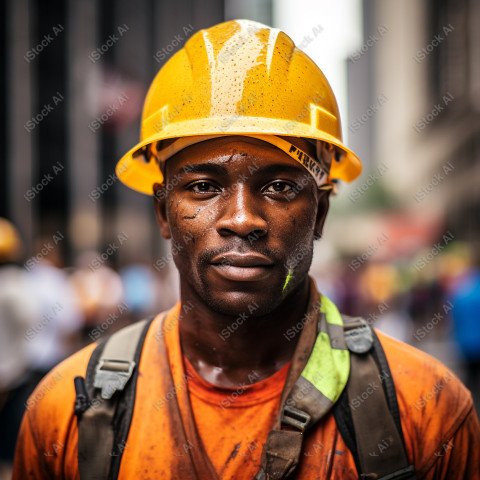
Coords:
pixel 280 168
pixel 204 168
pixel 217 169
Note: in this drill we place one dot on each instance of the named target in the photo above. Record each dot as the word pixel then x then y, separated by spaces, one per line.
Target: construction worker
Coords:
pixel 253 373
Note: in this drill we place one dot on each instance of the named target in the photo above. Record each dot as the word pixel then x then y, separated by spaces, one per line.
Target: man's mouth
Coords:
pixel 242 267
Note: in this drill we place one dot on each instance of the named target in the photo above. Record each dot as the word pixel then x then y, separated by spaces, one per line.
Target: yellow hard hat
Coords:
pixel 10 243
pixel 236 78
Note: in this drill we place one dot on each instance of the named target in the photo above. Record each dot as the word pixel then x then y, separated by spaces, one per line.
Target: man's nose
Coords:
pixel 241 214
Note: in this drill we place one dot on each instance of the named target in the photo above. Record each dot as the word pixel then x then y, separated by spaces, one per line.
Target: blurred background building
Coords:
pixel 401 244
pixel 73 83
pixel 418 117
pixel 74 76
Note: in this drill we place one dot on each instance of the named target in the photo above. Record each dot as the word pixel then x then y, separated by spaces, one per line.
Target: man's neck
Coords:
pixel 237 350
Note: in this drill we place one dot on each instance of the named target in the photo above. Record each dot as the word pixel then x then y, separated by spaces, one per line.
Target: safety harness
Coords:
pixel 336 358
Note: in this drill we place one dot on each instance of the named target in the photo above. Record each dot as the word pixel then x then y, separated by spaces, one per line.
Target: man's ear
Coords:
pixel 160 205
pixel 323 206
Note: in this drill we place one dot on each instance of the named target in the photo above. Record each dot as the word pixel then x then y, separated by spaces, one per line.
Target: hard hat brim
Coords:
pixel 139 174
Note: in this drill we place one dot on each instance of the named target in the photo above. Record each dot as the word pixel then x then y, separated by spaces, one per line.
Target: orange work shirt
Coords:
pixel 441 429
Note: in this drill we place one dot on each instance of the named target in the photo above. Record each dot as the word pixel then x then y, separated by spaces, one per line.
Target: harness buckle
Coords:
pixel 112 375
pixel 359 339
pixel 295 418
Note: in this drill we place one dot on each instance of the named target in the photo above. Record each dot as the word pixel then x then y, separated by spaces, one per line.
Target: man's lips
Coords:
pixel 242 267
pixel 241 260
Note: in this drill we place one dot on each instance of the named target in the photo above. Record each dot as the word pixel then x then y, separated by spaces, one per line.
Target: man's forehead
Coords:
pixel 239 144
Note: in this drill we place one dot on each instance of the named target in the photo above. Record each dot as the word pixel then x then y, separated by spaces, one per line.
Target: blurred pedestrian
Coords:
pixel 465 297
pixel 100 293
pixel 17 315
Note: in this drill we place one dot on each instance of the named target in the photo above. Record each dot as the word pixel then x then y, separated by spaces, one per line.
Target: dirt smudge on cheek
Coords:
pixel 192 216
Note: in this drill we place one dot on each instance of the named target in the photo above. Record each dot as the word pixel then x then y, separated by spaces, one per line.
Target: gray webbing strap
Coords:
pixel 95 441
pixel 380 448
pixel 95 430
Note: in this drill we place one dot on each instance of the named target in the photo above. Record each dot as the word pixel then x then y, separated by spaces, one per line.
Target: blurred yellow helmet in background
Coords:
pixel 10 242
pixel 236 78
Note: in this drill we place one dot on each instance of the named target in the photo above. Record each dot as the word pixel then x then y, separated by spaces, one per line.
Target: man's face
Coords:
pixel 243 217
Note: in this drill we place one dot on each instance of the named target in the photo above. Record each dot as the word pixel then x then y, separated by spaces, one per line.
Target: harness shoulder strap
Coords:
pixel 105 400
pixel 367 413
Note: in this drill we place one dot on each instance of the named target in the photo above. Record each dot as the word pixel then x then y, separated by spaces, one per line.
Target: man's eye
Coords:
pixel 279 187
pixel 202 187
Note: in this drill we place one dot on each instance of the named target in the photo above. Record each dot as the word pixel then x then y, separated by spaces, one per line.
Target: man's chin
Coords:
pixel 243 304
